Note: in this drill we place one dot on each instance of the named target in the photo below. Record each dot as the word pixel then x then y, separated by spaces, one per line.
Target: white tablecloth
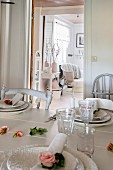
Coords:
pixel 34 117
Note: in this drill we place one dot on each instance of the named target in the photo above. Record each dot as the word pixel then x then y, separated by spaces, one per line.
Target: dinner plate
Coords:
pixel 15 112
pixel 106 123
pixel 6 106
pixel 24 106
pixel 95 121
pixel 28 156
pixel 99 117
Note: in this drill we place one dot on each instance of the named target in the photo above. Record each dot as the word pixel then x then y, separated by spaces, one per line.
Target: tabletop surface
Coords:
pixel 34 117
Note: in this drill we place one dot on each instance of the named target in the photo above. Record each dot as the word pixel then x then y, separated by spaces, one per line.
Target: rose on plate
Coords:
pixel 50 161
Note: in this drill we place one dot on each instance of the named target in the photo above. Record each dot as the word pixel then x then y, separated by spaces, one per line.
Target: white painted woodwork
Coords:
pixel 36 70
pixel 38 29
pixel 35 93
pixel 98 40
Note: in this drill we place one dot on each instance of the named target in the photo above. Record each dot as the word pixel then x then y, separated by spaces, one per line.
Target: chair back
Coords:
pixel 69 67
pixel 34 93
pixel 103 86
pixel 68 77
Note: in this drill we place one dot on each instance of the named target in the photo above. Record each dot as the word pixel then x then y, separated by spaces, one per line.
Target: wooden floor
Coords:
pixel 64 100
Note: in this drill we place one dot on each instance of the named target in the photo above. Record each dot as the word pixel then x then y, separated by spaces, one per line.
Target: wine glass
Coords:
pixel 86 108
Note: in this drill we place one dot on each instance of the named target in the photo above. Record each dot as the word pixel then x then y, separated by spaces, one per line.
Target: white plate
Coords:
pixel 69 154
pixel 96 121
pixel 99 117
pixel 98 124
pixel 6 106
pixel 24 106
pixel 12 113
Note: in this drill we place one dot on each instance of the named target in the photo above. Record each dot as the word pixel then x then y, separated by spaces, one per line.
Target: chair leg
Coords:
pixel 48 101
pixel 62 90
pixel 38 103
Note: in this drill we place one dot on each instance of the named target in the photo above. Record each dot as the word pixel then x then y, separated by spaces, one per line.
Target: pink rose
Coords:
pixel 47 159
pixel 17 134
pixel 3 130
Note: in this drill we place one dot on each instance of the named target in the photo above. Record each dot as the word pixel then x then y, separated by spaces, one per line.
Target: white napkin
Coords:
pixel 56 146
pixel 58 143
pixel 16 98
pixel 96 106
pixel 103 103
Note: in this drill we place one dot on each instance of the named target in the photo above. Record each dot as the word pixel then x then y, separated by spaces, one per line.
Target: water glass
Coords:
pixel 85 141
pixel 65 119
pixel 86 108
pixel 72 102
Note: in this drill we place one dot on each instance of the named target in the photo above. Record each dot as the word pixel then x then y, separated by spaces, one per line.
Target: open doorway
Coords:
pixel 65 35
pixel 68 35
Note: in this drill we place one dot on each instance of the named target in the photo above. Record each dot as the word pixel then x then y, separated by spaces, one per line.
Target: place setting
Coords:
pixel 13 106
pixel 59 154
pixel 89 111
pixel 83 148
pixel 55 156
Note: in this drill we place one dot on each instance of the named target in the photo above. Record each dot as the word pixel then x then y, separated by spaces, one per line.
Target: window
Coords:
pixel 62 37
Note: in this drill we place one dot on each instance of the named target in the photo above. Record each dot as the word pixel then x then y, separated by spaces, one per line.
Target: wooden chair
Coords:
pixel 103 86
pixel 34 93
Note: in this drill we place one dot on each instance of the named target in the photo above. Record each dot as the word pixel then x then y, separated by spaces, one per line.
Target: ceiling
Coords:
pixel 74 18
pixel 57 3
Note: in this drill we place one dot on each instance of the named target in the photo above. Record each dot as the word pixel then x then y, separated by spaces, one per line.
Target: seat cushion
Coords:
pixel 78 85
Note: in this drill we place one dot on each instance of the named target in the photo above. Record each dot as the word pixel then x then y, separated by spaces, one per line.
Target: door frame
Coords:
pixel 51 11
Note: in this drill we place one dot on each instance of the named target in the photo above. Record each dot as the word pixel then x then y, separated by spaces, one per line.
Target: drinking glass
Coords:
pixel 65 119
pixel 86 108
pixel 72 102
pixel 85 141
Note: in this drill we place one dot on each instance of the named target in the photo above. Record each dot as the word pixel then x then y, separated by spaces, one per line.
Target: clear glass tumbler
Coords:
pixel 86 108
pixel 65 119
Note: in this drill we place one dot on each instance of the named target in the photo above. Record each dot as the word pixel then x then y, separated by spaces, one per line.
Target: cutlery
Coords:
pixel 51 118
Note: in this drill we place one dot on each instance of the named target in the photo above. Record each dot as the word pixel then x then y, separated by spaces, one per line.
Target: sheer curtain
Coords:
pixel 62 37
pixel 15 43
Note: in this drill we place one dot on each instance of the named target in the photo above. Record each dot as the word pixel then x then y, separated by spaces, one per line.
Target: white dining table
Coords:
pixel 37 117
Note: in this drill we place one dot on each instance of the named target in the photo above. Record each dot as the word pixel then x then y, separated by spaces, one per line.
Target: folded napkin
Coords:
pixel 96 102
pixel 17 98
pixel 56 146
pixel 102 103
pixel 58 143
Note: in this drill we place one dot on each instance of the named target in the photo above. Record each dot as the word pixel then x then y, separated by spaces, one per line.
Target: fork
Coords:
pixel 51 118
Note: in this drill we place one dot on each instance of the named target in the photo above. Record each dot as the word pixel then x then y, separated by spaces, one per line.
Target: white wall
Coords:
pixel 99 40
pixel 78 57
